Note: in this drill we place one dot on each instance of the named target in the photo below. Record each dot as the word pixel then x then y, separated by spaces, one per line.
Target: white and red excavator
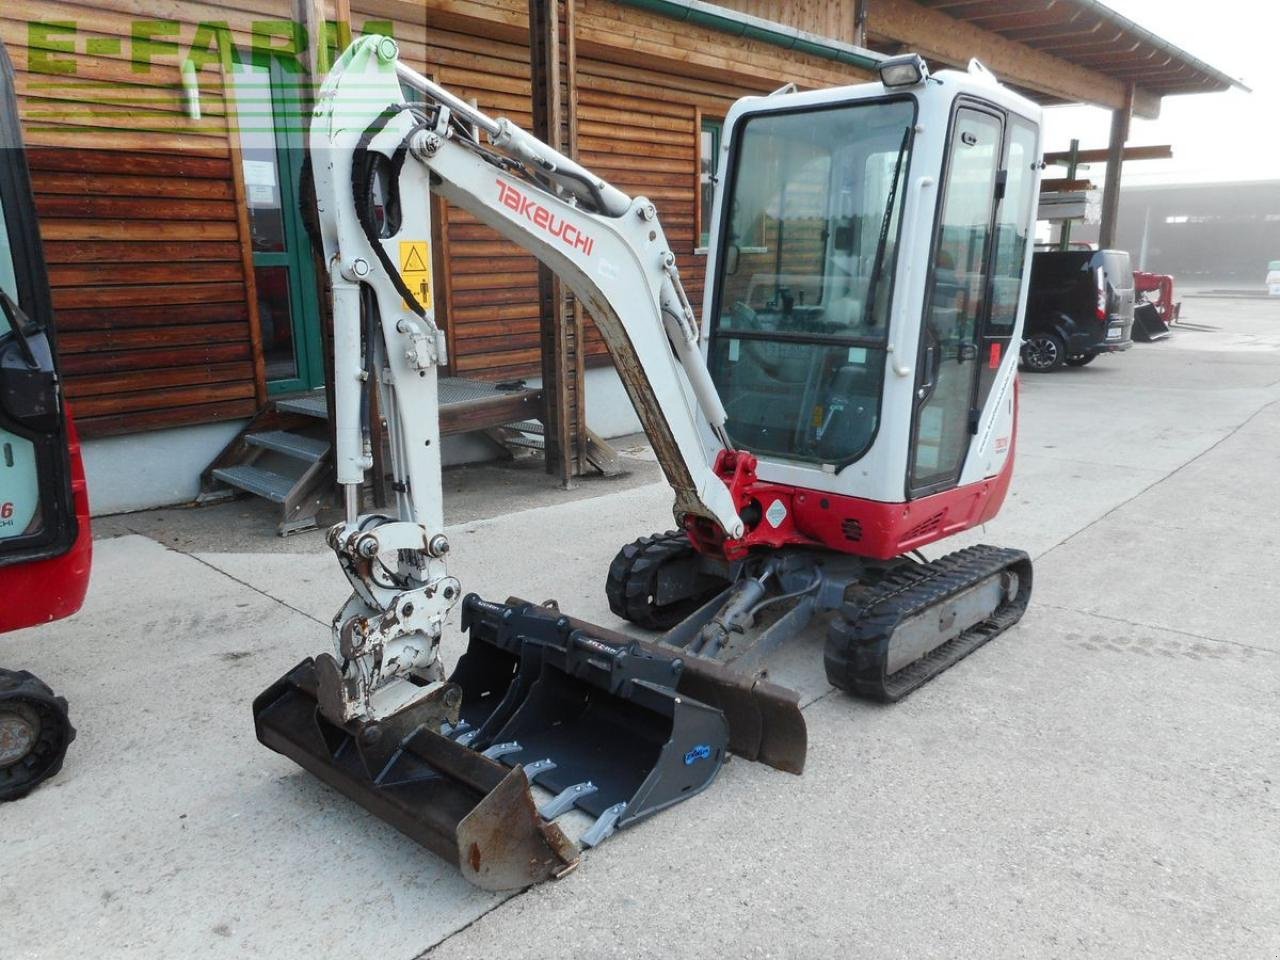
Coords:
pixel 848 398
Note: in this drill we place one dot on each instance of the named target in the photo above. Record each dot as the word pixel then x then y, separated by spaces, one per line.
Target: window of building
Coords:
pixel 708 155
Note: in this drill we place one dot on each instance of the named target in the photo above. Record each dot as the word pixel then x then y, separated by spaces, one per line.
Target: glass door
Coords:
pixel 272 118
pixel 956 304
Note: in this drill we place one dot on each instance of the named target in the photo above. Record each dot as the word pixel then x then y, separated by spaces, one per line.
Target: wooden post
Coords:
pixel 1115 163
pixel 860 23
pixel 552 67
pixel 1073 164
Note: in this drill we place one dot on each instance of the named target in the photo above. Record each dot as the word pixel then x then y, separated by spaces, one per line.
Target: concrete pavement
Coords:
pixel 1099 782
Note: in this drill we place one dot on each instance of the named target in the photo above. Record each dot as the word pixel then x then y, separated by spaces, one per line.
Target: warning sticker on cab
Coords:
pixel 415 271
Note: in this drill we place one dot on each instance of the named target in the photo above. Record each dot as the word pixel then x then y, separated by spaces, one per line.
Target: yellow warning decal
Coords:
pixel 415 271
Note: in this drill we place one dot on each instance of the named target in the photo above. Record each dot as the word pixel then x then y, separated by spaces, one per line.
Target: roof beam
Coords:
pixel 1158 152
pixel 1065 185
pixel 1073 27
pixel 940 37
pixel 1085 45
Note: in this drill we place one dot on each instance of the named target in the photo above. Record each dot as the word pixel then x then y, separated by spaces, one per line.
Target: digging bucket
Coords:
pixel 597 721
pixel 472 811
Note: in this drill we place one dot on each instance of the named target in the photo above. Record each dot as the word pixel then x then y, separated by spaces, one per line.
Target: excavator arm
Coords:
pixel 376 159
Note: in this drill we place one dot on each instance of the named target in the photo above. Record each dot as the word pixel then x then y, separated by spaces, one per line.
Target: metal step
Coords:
pixel 294 445
pixel 311 405
pixel 526 426
pixel 255 480
pixel 523 440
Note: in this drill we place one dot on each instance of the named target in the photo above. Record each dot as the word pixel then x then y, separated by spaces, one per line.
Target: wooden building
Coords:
pixel 165 143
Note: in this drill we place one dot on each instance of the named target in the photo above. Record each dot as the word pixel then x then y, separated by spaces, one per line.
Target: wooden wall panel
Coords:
pixel 152 314
pixel 143 340
pixel 138 208
pixel 632 133
pixel 493 290
pixel 826 18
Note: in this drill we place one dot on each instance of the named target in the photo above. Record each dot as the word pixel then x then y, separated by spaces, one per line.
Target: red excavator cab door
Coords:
pixel 45 543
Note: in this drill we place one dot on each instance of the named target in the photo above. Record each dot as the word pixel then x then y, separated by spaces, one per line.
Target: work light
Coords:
pixel 904 71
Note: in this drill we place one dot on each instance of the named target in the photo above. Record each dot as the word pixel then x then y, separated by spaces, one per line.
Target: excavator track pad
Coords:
pixel 924 617
pixel 593 721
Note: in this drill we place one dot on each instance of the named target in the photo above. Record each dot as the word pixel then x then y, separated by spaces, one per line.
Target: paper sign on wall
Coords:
pixel 260 183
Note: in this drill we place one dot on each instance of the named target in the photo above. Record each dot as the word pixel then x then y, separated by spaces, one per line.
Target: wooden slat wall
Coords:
pixel 480 51
pixel 826 18
pixel 148 287
pixel 139 214
pixel 638 136
pixel 493 284
pixel 147 345
pixel 642 83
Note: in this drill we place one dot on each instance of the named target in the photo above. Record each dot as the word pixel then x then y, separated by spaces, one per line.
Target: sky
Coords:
pixel 1215 137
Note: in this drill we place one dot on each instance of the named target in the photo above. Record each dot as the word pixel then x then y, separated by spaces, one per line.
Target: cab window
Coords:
pixel 20 514
pixel 805 274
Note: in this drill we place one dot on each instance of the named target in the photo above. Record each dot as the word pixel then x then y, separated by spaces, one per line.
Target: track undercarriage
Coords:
pixel 897 624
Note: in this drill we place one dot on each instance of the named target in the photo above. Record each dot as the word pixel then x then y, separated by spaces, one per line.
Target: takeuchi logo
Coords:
pixel 543 218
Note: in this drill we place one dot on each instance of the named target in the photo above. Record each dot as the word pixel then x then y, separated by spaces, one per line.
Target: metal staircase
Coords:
pixel 281 456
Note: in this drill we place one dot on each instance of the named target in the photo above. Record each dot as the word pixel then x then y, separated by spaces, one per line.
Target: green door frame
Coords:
pixel 287 107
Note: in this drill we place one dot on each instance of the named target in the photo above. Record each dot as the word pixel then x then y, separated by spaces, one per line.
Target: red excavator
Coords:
pixel 45 544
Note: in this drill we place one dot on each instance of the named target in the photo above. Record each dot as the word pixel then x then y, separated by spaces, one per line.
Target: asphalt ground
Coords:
pixel 1098 782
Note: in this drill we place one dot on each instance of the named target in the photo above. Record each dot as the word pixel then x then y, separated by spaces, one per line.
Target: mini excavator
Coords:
pixel 848 398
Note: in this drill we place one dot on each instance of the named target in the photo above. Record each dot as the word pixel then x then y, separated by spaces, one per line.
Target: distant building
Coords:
pixel 1202 233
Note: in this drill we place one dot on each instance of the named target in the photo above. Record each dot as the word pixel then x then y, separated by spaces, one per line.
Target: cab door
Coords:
pixel 44 542
pixel 956 303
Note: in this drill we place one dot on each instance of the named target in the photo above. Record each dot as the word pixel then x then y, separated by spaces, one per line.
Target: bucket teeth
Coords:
pixel 597 716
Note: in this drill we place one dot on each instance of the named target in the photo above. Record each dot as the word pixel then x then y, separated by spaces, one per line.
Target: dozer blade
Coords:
pixel 926 617
pixel 765 722
pixel 465 807
pixel 595 719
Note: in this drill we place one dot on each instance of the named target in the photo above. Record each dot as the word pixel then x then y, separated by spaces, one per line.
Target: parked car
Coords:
pixel 1273 278
pixel 1079 304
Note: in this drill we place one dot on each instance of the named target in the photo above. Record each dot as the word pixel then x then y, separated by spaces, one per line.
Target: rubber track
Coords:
pixel 859 637
pixel 633 574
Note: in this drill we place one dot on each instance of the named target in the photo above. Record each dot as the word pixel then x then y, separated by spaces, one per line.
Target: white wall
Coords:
pixel 154 469
pixel 609 410
pixel 145 470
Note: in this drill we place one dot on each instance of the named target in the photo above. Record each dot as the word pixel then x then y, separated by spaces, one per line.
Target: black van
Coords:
pixel 1079 304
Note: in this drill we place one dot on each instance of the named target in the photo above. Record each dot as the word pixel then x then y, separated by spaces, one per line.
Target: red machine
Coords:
pixel 1157 290
pixel 45 544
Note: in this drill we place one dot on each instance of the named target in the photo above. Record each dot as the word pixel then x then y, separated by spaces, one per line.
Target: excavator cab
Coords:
pixel 866 280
